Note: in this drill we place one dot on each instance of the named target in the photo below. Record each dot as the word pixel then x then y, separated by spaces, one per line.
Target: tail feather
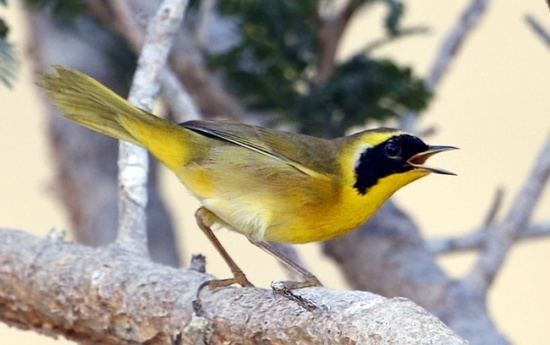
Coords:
pixel 93 105
pixel 88 102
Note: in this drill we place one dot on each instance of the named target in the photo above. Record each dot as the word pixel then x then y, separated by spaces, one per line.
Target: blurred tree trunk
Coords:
pixel 85 162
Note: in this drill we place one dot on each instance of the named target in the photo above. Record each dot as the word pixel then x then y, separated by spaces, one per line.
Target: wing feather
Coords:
pixel 309 155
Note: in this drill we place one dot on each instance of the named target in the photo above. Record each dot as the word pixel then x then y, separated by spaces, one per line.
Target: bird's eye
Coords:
pixel 393 149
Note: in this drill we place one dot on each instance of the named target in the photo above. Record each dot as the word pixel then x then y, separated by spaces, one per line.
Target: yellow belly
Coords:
pixel 343 213
pixel 284 215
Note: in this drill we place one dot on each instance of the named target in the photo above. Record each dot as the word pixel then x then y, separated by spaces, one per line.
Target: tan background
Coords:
pixel 494 104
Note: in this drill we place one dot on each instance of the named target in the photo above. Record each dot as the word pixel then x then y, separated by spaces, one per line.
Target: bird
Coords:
pixel 271 186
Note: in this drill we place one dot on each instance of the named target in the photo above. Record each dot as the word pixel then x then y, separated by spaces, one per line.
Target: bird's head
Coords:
pixel 389 159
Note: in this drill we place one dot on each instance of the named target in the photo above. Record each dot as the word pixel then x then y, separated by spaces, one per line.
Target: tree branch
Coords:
pixel 502 236
pixel 187 64
pixel 133 160
pixel 468 20
pixel 495 207
pixel 538 29
pixel 388 256
pixel 173 91
pixel 477 239
pixel 402 33
pixel 102 296
pixel 329 34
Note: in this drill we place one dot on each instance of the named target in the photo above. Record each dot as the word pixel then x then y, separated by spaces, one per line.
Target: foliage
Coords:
pixel 360 89
pixel 273 67
pixel 278 45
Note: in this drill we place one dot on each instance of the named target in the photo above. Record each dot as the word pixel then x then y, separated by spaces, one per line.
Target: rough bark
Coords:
pixel 103 295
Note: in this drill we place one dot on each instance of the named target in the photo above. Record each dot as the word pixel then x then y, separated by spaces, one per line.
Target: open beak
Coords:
pixel 417 161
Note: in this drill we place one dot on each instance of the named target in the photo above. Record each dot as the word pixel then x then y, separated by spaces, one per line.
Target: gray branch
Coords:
pixel 102 296
pixel 538 29
pixel 477 239
pixel 503 235
pixel 133 160
pixel 462 29
pixel 173 92
pixel 388 256
pixel 187 63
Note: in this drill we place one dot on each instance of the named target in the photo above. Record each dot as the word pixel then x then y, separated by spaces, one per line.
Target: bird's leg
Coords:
pixel 284 288
pixel 309 278
pixel 205 219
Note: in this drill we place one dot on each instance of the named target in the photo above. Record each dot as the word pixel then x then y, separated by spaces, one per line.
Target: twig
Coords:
pixel 186 62
pixel 428 131
pixel 173 91
pixel 538 29
pixel 402 33
pixel 133 161
pixel 205 16
pixel 495 207
pixel 477 239
pixel 502 236
pixel 469 18
pixel 329 34
pixel 198 263
pixel 447 244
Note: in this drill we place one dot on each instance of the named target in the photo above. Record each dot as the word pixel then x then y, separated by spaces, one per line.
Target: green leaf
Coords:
pixel 273 66
pixel 278 44
pixel 359 91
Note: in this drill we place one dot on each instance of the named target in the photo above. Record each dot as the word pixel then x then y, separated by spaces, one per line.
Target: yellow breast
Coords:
pixel 268 199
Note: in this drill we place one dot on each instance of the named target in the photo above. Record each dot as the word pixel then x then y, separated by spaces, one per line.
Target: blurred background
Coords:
pixel 493 103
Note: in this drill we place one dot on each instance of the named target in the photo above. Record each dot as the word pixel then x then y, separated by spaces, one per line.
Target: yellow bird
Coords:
pixel 270 185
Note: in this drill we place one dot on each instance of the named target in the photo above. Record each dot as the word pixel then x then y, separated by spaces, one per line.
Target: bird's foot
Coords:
pixel 238 278
pixel 284 288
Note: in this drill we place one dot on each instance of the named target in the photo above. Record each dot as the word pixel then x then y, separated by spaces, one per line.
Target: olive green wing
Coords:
pixel 309 155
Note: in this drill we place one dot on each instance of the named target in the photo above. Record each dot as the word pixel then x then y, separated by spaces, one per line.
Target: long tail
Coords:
pixel 93 105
